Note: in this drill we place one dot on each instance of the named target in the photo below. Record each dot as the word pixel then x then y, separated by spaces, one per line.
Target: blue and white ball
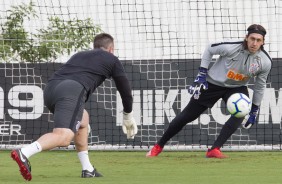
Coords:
pixel 239 105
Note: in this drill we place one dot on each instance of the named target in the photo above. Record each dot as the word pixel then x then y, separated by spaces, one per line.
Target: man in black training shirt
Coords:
pixel 65 96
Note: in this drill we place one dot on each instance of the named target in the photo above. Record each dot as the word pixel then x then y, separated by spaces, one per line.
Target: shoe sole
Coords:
pixel 24 171
pixel 151 156
pixel 91 176
pixel 222 157
pixel 148 155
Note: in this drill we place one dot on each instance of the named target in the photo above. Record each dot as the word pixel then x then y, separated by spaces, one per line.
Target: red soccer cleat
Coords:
pixel 215 153
pixel 155 151
pixel 23 164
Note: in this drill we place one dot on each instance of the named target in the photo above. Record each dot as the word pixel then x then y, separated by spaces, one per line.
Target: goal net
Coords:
pixel 160 44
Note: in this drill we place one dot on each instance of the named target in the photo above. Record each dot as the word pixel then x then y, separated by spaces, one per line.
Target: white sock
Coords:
pixel 84 160
pixel 31 149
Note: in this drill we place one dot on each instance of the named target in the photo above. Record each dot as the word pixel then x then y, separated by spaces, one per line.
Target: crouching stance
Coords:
pixel 65 96
pixel 238 62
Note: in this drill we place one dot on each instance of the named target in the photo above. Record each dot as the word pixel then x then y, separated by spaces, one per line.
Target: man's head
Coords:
pixel 255 38
pixel 104 41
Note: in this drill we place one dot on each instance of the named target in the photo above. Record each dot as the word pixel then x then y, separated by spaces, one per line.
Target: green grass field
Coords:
pixel 133 167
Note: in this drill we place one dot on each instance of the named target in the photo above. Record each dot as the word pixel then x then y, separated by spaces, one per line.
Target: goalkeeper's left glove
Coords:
pixel 199 83
pixel 250 119
pixel 129 125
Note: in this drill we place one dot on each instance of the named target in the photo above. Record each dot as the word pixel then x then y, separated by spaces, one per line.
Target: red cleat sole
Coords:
pixel 215 153
pixel 25 173
pixel 155 151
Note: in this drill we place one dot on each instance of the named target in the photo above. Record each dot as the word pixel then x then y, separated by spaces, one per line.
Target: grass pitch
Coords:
pixel 134 168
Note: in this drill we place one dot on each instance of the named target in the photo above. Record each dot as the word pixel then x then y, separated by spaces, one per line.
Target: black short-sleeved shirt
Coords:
pixel 90 68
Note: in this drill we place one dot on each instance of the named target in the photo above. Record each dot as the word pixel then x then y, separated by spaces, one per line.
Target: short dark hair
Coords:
pixel 102 40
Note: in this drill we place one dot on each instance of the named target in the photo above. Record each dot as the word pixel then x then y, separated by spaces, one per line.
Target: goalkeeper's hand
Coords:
pixel 129 126
pixel 199 82
pixel 250 119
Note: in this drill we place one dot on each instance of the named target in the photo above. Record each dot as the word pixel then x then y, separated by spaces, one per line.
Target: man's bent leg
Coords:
pixel 59 137
pixel 81 145
pixel 227 130
pixel 191 112
pixel 81 136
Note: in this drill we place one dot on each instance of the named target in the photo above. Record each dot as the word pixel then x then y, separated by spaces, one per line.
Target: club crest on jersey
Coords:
pixel 254 67
pixel 236 76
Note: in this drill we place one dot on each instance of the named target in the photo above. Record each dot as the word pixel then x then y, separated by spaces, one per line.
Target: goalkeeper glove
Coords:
pixel 199 82
pixel 129 125
pixel 250 119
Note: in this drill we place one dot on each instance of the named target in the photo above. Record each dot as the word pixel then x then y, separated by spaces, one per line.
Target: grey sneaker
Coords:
pixel 23 164
pixel 88 174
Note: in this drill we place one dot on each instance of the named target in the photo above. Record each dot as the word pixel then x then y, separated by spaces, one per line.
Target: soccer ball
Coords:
pixel 239 105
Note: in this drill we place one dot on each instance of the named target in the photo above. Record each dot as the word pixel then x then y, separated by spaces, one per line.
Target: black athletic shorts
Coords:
pixel 66 100
pixel 210 96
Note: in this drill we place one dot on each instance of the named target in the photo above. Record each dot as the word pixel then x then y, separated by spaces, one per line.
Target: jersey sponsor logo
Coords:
pixel 236 76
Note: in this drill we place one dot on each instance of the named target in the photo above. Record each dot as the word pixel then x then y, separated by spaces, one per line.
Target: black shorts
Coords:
pixel 66 100
pixel 210 96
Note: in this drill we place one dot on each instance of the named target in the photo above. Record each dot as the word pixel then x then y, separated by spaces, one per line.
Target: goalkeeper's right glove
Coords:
pixel 129 125
pixel 199 83
pixel 250 119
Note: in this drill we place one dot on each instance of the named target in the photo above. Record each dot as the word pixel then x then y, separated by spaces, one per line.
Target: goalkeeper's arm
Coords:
pixel 123 86
pixel 129 125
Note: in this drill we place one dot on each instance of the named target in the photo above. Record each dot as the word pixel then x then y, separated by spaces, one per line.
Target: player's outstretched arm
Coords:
pixel 129 125
pixel 124 88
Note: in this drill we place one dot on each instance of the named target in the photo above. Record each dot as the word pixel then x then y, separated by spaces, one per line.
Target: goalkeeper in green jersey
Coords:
pixel 245 58
pixel 65 96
